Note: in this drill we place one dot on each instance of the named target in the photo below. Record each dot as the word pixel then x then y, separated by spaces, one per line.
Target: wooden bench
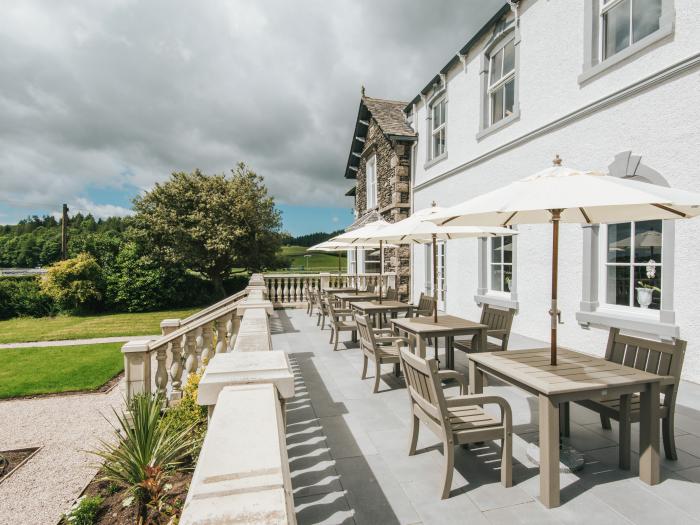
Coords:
pixel 499 322
pixel 455 420
pixel 662 358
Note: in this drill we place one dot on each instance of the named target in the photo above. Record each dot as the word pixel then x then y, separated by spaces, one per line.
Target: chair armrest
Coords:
pixel 392 339
pixel 379 331
pixel 453 374
pixel 483 399
pixel 496 332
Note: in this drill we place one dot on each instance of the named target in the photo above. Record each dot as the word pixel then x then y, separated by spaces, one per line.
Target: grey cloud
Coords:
pixel 89 91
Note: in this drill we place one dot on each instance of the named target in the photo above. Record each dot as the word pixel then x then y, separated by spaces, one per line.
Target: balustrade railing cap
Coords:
pixel 170 323
pixel 141 345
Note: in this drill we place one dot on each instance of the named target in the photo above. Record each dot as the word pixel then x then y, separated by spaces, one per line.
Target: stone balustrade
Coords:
pixel 290 289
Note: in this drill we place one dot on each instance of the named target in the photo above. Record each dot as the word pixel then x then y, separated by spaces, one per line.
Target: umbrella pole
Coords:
pixel 381 268
pixel 435 294
pixel 556 216
pixel 356 262
pixel 339 265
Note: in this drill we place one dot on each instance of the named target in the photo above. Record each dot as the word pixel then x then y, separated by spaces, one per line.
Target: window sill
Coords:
pixel 434 161
pixel 502 301
pixel 493 128
pixel 591 72
pixel 634 322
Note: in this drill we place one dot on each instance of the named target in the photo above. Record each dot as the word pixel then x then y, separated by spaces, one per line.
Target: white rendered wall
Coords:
pixel 662 125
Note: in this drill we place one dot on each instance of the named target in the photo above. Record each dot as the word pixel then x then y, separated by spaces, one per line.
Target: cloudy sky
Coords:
pixel 100 100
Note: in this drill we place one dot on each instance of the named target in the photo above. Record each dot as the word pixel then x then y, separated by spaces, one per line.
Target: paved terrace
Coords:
pixel 349 463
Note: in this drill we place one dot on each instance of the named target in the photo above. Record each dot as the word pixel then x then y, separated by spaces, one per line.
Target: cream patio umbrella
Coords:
pixel 358 238
pixel 559 194
pixel 419 230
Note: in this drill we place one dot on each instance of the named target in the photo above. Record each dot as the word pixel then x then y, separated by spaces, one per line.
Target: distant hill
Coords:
pixel 311 238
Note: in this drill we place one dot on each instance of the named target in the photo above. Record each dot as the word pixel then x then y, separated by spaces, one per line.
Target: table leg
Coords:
pixel 450 351
pixel 564 424
pixel 649 467
pixel 549 452
pixel 421 346
pixel 476 379
pixel 625 437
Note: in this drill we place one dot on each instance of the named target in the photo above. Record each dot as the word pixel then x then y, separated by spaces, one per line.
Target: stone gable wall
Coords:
pixel 393 193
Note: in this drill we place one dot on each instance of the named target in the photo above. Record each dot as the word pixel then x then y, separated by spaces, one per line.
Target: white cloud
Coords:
pixel 85 206
pixel 91 90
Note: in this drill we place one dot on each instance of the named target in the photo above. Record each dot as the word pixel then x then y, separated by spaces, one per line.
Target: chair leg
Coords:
pixel 507 459
pixel 415 428
pixel 364 367
pixel 377 374
pixel 605 422
pixel 448 450
pixel 335 345
pixel 625 427
pixel 323 321
pixel 669 436
pixel 331 339
pixel 318 318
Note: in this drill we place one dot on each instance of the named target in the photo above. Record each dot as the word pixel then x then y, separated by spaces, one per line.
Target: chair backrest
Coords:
pixel 370 287
pixel 391 294
pixel 657 357
pixel 423 385
pixel 365 333
pixel 499 321
pixel 426 305
pixel 330 309
pixel 319 298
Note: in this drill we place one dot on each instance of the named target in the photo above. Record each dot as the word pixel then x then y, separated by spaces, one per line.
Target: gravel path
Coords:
pixel 64 426
pixel 71 342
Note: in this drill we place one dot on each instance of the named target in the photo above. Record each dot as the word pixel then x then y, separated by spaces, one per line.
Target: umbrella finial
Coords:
pixel 434 204
pixel 557 160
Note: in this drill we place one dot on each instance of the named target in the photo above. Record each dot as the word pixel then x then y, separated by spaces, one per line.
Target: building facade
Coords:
pixel 380 164
pixel 610 85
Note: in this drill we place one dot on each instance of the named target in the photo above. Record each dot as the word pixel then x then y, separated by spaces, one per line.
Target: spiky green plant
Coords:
pixel 143 443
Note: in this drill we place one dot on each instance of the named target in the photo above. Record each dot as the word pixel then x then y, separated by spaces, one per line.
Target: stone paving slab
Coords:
pixel 349 461
pixel 65 427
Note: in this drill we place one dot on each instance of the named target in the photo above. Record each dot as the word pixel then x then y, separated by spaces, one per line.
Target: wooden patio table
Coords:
pixel 576 376
pixel 447 326
pixel 350 297
pixel 375 307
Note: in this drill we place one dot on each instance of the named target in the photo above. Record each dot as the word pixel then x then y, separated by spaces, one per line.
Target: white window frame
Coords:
pixel 502 265
pixel 605 264
pixel 442 128
pixel 593 62
pixel 441 272
pixel 501 81
pixel 371 182
pixel 484 293
pixel 604 9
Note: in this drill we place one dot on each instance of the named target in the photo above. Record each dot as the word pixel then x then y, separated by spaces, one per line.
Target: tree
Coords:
pixel 210 223
pixel 75 284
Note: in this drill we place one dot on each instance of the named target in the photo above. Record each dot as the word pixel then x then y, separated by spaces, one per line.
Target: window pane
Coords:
pixel 510 97
pixel 508 249
pixel 509 57
pixel 618 285
pixel 647 241
pixel 496 66
pixel 507 277
pixel 439 143
pixel 617 28
pixel 496 278
pixel 437 116
pixel 619 246
pixel 496 250
pixel 497 105
pixel 645 18
pixel 648 278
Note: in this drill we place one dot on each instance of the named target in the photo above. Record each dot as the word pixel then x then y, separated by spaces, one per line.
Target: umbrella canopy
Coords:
pixel 333 246
pixel 418 229
pixel 562 194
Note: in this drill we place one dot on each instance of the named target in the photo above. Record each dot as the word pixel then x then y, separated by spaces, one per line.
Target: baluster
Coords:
pixel 161 372
pixel 176 368
pixel 297 289
pixel 190 353
pixel 285 290
pixel 220 335
pixel 278 290
pixel 198 347
pixel 206 344
pixel 229 331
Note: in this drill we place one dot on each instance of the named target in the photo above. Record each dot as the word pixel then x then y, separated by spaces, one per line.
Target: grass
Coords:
pixel 30 329
pixel 294 257
pixel 31 371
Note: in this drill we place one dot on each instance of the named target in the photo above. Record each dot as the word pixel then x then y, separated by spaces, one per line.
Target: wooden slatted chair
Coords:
pixel 499 322
pixel 455 420
pixel 370 287
pixel 341 320
pixel 426 306
pixel 310 300
pixel 664 358
pixel 391 294
pixel 321 308
pixel 382 349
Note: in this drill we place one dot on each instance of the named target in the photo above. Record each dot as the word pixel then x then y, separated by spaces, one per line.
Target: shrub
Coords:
pixel 22 296
pixel 144 453
pixel 84 511
pixel 75 284
pixel 187 414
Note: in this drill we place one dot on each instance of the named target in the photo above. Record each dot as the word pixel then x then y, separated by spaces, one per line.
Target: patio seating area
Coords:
pixel 348 450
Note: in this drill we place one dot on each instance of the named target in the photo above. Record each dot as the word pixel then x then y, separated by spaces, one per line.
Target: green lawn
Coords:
pixel 29 329
pixel 30 371
pixel 318 261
